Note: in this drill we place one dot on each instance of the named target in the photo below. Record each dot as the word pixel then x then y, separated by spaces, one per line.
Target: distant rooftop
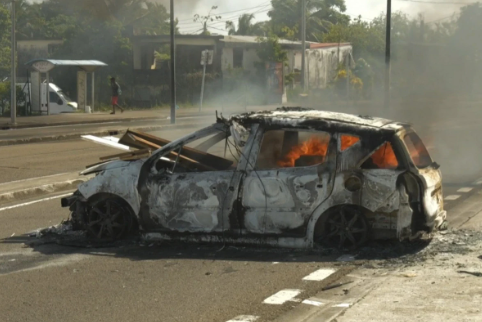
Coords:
pixel 80 63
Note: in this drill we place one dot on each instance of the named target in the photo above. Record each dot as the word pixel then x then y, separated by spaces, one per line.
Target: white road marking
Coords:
pixel 31 179
pixel 465 189
pixel 34 202
pixel 478 182
pixel 319 275
pixel 244 318
pixel 275 263
pixel 452 197
pixel 282 297
pixel 342 305
pixel 311 302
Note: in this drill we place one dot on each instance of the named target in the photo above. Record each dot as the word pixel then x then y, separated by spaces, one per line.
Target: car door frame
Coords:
pixel 229 212
pixel 327 169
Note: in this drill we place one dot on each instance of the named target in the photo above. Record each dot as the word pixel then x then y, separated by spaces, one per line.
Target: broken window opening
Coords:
pixel 292 149
pixel 383 158
pixel 347 141
pixel 418 152
pixel 238 54
pixel 216 152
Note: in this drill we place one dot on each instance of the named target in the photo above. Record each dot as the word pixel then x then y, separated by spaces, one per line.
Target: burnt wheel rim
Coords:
pixel 107 220
pixel 346 228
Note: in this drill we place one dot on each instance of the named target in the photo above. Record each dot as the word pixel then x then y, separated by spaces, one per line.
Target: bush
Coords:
pixel 5 100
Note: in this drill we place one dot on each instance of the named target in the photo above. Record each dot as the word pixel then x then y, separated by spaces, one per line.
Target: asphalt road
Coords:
pixel 131 281
pixel 68 131
pixel 18 162
pixel 128 283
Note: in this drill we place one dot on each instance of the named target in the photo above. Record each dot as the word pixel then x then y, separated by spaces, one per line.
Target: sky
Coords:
pixel 431 9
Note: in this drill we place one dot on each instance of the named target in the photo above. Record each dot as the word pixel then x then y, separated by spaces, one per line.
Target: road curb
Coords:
pixel 42 190
pixel 161 117
pixel 100 133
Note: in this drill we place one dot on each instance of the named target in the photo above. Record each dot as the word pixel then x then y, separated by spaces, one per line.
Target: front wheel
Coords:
pixel 109 218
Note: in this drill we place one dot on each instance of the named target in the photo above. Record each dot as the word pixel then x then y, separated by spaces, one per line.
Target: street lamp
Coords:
pixel 13 78
pixel 303 44
pixel 388 54
pixel 173 67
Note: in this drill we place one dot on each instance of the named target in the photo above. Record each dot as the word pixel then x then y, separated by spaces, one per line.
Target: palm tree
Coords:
pixel 320 16
pixel 245 26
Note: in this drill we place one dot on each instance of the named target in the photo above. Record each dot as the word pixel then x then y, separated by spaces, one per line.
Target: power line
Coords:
pixel 230 17
pixel 436 2
pixel 440 19
pixel 210 24
pixel 245 9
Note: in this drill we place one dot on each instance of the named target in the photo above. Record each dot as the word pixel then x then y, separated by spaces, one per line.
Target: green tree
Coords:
pixel 466 49
pixel 4 42
pixel 246 27
pixel 269 49
pixel 320 16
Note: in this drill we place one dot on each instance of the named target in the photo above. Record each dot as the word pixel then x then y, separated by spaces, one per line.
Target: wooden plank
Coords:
pixel 194 154
pixel 126 154
pixel 182 158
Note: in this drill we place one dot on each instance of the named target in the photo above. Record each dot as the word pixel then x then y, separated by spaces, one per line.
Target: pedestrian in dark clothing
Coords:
pixel 116 90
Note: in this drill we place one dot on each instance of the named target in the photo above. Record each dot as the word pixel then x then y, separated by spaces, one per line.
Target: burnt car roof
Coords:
pixel 293 117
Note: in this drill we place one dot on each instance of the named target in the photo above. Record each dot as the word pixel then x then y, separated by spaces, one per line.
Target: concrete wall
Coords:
pixel 250 58
pixel 322 64
pixel 143 50
pixel 227 59
pixel 42 45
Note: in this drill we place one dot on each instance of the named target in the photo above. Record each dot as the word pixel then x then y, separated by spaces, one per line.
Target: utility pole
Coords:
pixel 13 78
pixel 388 54
pixel 173 66
pixel 303 43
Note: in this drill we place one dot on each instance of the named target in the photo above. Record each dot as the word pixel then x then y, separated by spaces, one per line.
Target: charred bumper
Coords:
pixel 77 205
pixel 67 202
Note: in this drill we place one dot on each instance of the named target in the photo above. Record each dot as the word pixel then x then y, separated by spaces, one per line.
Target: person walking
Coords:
pixel 116 90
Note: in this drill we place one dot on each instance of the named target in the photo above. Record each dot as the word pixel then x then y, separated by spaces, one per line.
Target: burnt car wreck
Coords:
pixel 289 177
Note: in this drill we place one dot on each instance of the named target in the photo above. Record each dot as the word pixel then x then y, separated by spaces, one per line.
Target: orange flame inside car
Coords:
pixel 312 147
pixel 348 141
pixel 385 157
pixel 316 147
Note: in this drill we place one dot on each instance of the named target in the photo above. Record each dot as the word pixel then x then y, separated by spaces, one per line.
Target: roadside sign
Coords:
pixel 207 57
pixel 43 66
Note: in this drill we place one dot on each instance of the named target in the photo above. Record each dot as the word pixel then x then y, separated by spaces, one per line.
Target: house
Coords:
pixel 322 61
pixel 151 63
pixel 234 51
pixel 34 48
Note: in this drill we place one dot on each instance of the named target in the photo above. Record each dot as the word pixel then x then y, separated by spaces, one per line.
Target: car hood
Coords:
pixel 110 165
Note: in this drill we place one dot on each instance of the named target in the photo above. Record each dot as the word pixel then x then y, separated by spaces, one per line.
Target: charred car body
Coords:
pixel 290 177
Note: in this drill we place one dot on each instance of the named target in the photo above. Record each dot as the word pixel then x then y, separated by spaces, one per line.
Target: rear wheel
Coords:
pixel 109 218
pixel 346 227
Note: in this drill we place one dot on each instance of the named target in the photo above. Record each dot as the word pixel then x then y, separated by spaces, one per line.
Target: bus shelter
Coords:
pixel 40 67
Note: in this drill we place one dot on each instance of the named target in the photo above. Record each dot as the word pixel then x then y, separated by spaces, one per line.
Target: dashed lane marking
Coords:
pixel 452 197
pixel 282 297
pixel 345 305
pixel 464 190
pixel 244 318
pixel 319 275
pixel 311 302
pixel 34 202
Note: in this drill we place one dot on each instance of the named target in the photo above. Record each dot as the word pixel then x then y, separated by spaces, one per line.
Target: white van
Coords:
pixel 59 102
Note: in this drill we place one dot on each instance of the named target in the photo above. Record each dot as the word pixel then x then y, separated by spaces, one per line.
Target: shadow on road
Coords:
pixel 137 250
